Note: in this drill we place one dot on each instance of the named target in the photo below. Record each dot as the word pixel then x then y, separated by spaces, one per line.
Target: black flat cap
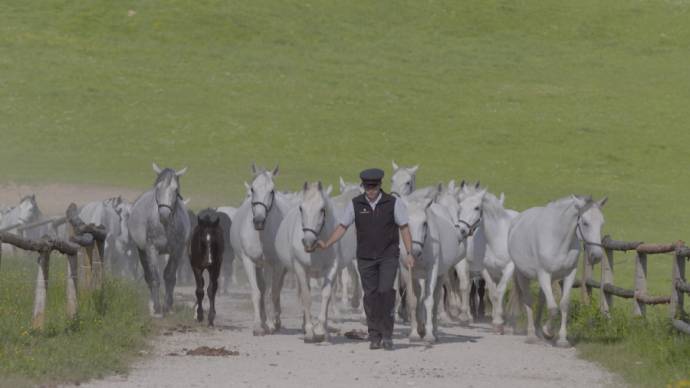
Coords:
pixel 372 175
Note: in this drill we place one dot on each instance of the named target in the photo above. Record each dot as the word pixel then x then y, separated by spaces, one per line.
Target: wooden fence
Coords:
pixel 85 239
pixel 639 293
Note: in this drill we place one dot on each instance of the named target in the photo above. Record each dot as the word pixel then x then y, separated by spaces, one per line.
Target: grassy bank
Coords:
pixel 645 352
pixel 111 328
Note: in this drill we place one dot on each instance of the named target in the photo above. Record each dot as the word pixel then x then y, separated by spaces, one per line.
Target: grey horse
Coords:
pixel 159 225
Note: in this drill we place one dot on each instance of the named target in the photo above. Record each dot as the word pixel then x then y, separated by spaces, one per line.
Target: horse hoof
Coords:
pixel 260 331
pixel 532 339
pixel 562 343
pixel 545 332
pixel 210 324
pixel 157 315
pixel 499 329
pixel 414 337
pixel 318 338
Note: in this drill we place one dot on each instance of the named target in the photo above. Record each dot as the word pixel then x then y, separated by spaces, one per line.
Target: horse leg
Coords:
pixel 411 301
pixel 199 278
pixel 562 340
pixel 149 259
pixel 277 279
pixel 463 272
pixel 438 292
pixel 305 295
pixel 481 290
pixel 170 276
pixel 213 273
pixel 251 270
pixel 497 319
pixel 429 290
pixel 491 288
pixel 544 279
pixel 321 328
pixel 525 298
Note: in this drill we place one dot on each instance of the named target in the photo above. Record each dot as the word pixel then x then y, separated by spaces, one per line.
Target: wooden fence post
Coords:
pixel 677 309
pixel 98 269
pixel 41 290
pixel 606 299
pixel 72 267
pixel 639 308
pixel 586 289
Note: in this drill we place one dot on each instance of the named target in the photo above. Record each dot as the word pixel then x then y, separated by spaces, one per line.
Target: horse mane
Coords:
pixel 164 175
pixel 568 200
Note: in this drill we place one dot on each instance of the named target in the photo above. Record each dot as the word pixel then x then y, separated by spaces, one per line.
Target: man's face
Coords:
pixel 372 190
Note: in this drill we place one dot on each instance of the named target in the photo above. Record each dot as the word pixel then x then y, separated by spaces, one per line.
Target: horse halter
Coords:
pixel 323 223
pixel 172 208
pixel 421 243
pixel 585 242
pixel 472 227
pixel 268 208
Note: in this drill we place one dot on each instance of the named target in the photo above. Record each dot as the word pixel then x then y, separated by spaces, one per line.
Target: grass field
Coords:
pixel 110 329
pixel 538 99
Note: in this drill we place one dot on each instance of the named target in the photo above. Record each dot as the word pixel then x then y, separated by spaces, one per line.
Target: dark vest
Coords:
pixel 377 232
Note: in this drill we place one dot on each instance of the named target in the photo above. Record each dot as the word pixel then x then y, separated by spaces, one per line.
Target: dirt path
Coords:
pixel 464 357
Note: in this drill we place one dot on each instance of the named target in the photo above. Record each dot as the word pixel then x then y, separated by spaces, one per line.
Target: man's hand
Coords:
pixel 409 261
pixel 321 245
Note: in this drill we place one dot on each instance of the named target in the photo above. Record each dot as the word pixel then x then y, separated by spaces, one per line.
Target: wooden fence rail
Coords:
pixel 88 239
pixel 639 292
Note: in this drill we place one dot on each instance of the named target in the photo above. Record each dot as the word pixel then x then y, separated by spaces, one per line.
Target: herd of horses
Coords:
pixel 459 232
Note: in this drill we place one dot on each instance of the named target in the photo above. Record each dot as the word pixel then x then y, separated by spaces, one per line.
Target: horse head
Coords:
pixel 262 193
pixel 28 209
pixel 419 224
pixel 470 208
pixel 589 224
pixel 167 191
pixel 403 180
pixel 312 213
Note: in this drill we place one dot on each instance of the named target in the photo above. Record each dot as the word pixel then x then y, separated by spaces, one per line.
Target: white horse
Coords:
pixel 313 220
pixel 252 237
pixel 346 249
pixel 436 249
pixel 543 242
pixel 404 183
pixel 483 217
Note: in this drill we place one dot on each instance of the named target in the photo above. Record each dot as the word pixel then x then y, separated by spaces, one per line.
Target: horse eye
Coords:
pixel 585 224
pixel 476 208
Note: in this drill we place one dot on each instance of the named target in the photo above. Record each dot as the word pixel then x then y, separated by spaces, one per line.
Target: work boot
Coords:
pixel 375 344
pixel 387 344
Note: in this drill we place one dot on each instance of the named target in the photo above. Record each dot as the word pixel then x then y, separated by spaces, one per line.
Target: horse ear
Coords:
pixel 395 166
pixel 276 170
pixel 502 198
pixel 579 203
pixel 329 190
pixel 463 184
pixel 246 185
pixel 602 202
pixel 451 185
pixel 341 182
pixel 182 172
pixel 476 186
pixel 320 186
pixel 253 168
pixel 306 185
pixel 414 169
pixel 186 201
pixel 439 188
pixel 156 168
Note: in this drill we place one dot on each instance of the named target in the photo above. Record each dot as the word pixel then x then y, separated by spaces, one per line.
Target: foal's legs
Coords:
pixel 411 299
pixel 522 287
pixel 199 279
pixel 213 275
pixel 463 272
pixel 305 296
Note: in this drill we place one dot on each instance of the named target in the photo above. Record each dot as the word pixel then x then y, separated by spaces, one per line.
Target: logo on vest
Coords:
pixel 364 211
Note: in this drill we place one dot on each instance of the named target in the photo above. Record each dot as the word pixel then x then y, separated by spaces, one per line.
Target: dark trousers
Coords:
pixel 378 276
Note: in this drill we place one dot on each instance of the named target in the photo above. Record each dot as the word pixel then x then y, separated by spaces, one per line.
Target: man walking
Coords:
pixel 380 219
